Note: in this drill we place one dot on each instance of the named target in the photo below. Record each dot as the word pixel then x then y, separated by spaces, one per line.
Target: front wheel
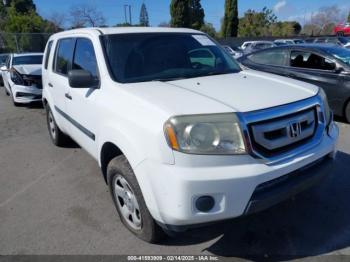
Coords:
pixel 347 112
pixel 130 204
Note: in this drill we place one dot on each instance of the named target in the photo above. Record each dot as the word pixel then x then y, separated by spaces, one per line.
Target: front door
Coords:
pixel 82 103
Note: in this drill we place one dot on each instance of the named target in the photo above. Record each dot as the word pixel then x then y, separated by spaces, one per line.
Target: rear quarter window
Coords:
pixel 270 57
pixel 47 55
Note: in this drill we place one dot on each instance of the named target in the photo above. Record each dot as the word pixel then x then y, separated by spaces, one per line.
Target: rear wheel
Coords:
pixel 347 112
pixel 58 138
pixel 130 204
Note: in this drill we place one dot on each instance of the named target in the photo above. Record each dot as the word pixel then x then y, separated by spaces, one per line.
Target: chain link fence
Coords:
pixel 22 42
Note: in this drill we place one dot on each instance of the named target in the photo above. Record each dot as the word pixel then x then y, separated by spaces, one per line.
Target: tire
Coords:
pixel 58 138
pixel 347 112
pixel 129 202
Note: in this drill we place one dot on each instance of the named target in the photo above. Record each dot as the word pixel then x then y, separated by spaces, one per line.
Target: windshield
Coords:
pixel 28 60
pixel 342 54
pixel 164 57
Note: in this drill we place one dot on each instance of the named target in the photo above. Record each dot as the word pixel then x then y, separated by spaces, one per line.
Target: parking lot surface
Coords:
pixel 54 201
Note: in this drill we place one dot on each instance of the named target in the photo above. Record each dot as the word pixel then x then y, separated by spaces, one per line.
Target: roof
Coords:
pixel 125 30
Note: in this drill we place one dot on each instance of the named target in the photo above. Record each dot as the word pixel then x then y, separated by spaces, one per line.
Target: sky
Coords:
pixel 158 10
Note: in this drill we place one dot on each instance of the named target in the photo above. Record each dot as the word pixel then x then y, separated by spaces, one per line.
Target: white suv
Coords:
pixel 183 136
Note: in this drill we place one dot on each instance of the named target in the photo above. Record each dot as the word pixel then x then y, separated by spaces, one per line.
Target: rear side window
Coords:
pixel 64 55
pixel 47 55
pixel 310 60
pixel 270 57
pixel 84 57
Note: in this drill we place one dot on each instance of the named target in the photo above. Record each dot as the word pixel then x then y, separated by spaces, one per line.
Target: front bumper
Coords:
pixel 277 190
pixel 235 182
pixel 26 94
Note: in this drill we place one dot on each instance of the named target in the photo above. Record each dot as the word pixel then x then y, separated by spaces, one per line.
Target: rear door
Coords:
pixel 317 69
pixel 58 80
pixel 271 61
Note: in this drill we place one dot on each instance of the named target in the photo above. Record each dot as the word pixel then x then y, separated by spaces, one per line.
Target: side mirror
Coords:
pixel 82 79
pixel 3 68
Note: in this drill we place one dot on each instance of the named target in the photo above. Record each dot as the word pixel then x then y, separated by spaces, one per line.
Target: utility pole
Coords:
pixel 130 14
pixel 126 19
pixel 126 15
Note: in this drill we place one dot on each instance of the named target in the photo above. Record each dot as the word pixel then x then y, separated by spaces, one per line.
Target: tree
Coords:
pixel 84 15
pixel 311 29
pixel 21 6
pixel 196 14
pixel 57 21
pixel 164 24
pixel 22 25
pixel 349 17
pixel 230 22
pixel 209 29
pixel 325 17
pixel 180 13
pixel 256 23
pixel 284 29
pixel 144 20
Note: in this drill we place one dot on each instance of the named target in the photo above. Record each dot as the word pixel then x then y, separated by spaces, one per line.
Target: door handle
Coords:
pixel 50 85
pixel 68 96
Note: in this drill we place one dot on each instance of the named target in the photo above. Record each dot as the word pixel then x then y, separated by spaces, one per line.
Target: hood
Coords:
pixel 28 69
pixel 241 92
pixel 249 90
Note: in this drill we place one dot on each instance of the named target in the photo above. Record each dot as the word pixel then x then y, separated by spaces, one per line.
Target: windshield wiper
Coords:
pixel 167 79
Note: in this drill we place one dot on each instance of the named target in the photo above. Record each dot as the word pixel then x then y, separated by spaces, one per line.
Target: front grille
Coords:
pixel 30 80
pixel 279 135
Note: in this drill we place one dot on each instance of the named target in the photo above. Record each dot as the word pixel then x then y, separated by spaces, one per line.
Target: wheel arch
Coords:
pixel 108 151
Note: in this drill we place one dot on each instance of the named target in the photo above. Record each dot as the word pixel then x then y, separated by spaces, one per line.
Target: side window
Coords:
pixel 270 57
pixel 84 57
pixel 47 55
pixel 64 54
pixel 310 60
pixel 202 56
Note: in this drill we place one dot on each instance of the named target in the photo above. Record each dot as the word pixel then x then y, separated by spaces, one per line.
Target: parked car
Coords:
pixel 187 139
pixel 341 41
pixel 3 59
pixel 344 41
pixel 246 44
pixel 342 29
pixel 324 65
pixel 298 41
pixel 258 45
pixel 279 42
pixel 22 77
pixel 235 53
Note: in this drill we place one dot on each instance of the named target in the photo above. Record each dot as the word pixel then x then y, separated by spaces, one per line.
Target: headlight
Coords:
pixel 327 110
pixel 16 77
pixel 214 134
